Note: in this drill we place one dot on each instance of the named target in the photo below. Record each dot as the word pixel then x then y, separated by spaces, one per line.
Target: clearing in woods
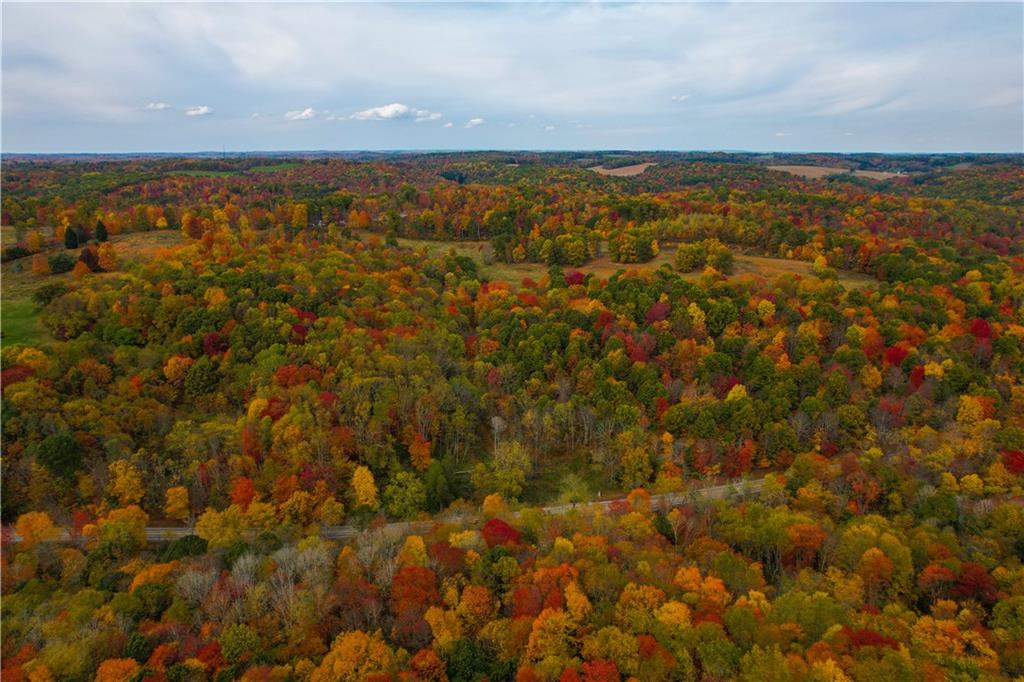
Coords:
pixel 816 172
pixel 624 171
pixel 603 267
pixel 19 316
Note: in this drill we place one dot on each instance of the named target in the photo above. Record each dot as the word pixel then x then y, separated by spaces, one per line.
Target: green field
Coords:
pixel 544 486
pixel 268 168
pixel 19 323
pixel 274 168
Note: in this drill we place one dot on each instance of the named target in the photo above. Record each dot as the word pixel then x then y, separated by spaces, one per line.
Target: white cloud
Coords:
pixel 780 134
pixel 892 69
pixel 301 114
pixel 549 128
pixel 395 110
pixel 447 125
pixel 473 122
pixel 157 106
pixel 201 110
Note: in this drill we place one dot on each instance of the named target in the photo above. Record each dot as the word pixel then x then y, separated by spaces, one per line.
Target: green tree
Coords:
pixel 238 641
pixel 202 377
pixel 61 454
pixel 405 496
pixel 506 473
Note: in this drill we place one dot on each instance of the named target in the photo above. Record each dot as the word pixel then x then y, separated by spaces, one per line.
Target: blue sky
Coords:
pixel 756 76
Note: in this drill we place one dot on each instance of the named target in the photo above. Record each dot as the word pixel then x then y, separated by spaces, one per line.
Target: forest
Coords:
pixel 432 352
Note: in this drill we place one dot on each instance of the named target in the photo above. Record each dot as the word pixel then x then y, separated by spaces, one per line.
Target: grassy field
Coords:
pixel 268 168
pixel 624 171
pixel 19 318
pixel 273 168
pixel 19 322
pixel 815 172
pixel 514 273
pixel 544 485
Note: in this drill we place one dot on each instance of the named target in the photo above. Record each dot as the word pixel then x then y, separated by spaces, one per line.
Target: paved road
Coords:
pixel 163 534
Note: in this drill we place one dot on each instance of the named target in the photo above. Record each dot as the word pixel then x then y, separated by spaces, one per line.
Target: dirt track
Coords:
pixel 164 534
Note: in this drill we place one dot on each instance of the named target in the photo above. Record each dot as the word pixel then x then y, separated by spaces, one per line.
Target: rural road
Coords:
pixel 164 534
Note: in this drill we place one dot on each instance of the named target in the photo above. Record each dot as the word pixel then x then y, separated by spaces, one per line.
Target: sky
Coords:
pixel 845 77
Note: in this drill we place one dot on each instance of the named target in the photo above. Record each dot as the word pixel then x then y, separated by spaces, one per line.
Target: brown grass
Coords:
pixel 19 282
pixel 816 172
pixel 624 171
pixel 604 267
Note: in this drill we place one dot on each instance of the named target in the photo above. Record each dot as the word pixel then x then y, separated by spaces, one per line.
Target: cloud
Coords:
pixel 395 110
pixel 201 110
pixel 157 106
pixel 447 125
pixel 301 114
pixel 780 134
pixel 473 122
pixel 549 128
pixel 906 76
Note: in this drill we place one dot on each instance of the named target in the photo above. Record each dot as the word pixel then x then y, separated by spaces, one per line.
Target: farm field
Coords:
pixel 816 172
pixel 623 171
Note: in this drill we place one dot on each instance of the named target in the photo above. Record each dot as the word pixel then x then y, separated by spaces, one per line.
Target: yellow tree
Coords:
pixel 364 488
pixel 108 257
pixel 125 482
pixel 353 657
pixel 550 636
pixel 176 504
pixel 35 527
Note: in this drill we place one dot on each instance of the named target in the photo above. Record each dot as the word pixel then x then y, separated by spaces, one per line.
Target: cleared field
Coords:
pixel 19 319
pixel 816 172
pixel 273 168
pixel 19 323
pixel 624 171
pixel 604 267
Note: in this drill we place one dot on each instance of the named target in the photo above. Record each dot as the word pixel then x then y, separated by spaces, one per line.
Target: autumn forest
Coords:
pixel 513 416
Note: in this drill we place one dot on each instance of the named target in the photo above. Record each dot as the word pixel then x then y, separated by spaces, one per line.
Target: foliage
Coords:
pixel 287 359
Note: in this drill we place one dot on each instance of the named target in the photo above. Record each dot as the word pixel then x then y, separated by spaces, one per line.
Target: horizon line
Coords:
pixel 442 150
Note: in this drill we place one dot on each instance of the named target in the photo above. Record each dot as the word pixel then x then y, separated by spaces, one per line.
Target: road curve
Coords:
pixel 716 492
